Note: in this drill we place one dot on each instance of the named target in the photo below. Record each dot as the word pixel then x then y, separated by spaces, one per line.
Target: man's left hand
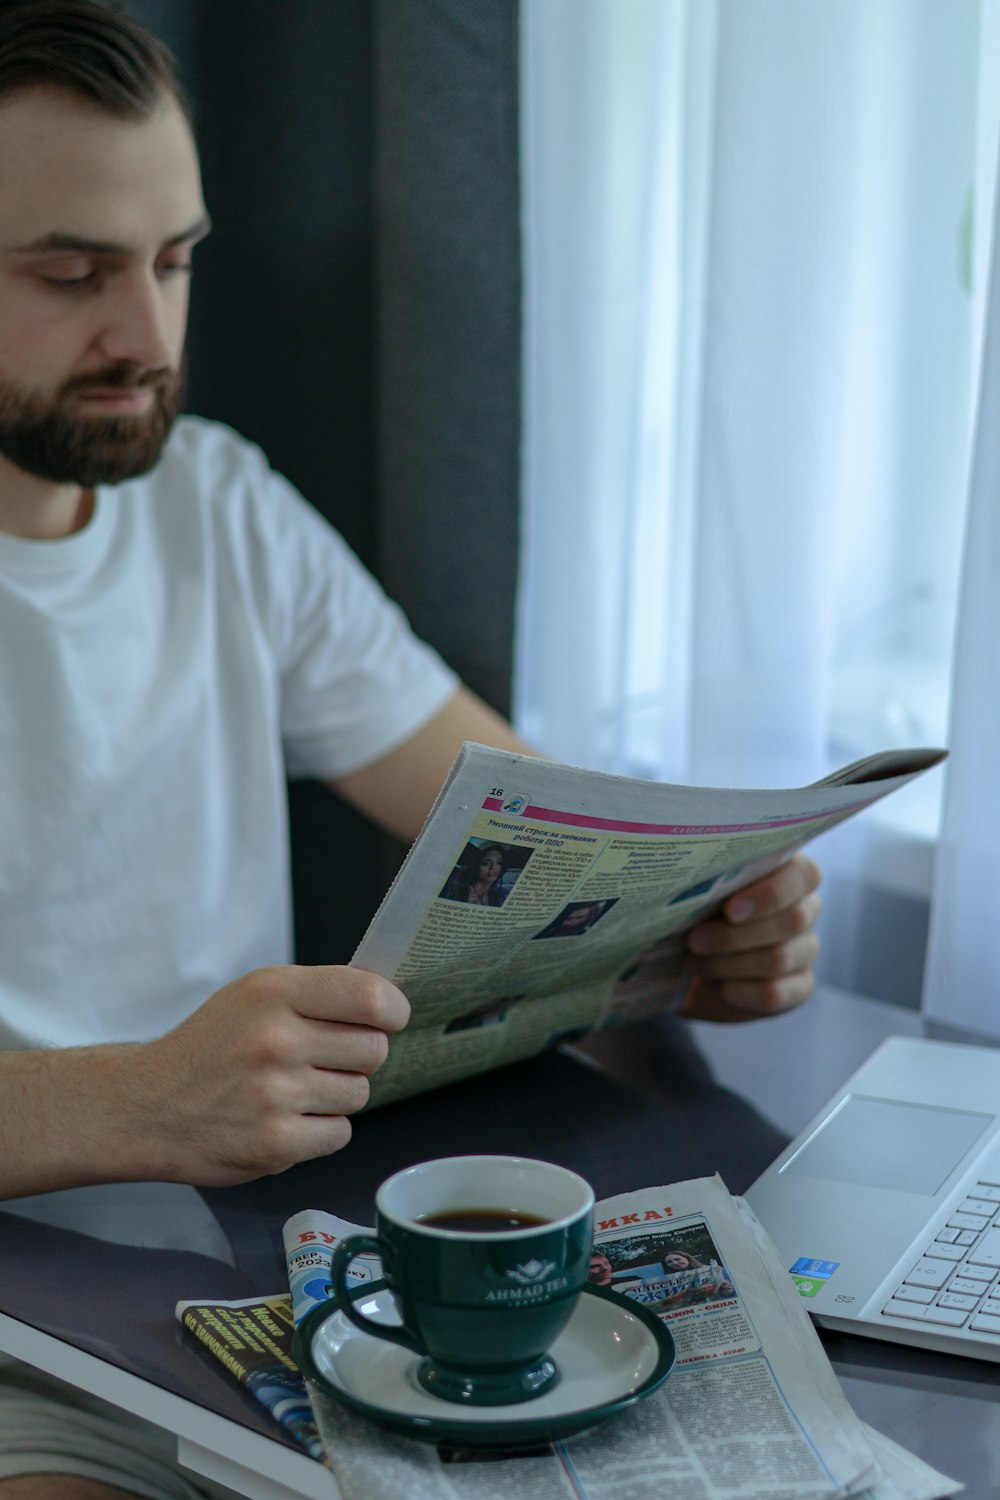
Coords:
pixel 755 959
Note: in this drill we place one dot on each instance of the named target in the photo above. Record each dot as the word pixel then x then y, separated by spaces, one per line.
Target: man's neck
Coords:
pixel 39 510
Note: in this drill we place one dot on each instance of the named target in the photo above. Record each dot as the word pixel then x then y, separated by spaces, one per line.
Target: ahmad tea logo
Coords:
pixel 532 1270
pixel 533 1283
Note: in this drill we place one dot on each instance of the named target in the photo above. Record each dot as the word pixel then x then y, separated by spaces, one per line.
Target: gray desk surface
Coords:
pixel 102 1276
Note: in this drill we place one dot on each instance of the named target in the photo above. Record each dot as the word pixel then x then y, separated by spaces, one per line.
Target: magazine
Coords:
pixel 751 1411
pixel 517 917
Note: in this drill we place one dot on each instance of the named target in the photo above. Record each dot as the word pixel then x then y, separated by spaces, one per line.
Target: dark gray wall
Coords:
pixel 356 312
pixel 448 259
pixel 282 324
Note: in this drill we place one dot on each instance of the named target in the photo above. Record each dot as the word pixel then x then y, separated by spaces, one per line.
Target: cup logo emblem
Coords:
pixel 531 1270
pixel 530 1282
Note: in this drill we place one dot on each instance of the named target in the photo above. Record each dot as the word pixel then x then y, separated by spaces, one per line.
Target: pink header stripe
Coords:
pixel 619 825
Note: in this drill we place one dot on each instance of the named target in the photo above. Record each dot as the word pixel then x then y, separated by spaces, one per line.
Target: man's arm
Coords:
pixel 262 1076
pixel 398 791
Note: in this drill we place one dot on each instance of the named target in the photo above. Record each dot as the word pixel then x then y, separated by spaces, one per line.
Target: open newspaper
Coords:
pixel 518 914
pixel 752 1410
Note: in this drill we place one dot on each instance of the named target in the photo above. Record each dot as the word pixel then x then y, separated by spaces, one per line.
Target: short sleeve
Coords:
pixel 355 681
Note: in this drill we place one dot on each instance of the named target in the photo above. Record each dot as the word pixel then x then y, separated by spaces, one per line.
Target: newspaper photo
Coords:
pixel 541 902
pixel 751 1411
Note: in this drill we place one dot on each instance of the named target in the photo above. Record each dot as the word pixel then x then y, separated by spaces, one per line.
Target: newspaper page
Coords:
pixel 516 919
pixel 751 1411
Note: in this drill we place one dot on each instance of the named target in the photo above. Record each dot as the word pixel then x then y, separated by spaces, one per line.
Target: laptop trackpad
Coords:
pixel 911 1148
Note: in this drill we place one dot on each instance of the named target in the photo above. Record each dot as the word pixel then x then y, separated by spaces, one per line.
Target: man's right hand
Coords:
pixel 263 1075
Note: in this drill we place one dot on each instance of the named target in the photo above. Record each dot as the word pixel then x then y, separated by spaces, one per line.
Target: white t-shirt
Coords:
pixel 160 671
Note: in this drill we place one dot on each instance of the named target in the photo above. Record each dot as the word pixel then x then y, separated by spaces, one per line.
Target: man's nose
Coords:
pixel 137 331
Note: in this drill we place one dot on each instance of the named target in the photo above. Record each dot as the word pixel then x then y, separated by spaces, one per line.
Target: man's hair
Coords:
pixel 89 50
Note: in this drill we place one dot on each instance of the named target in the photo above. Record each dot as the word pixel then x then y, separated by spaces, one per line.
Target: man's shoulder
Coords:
pixel 210 472
pixel 204 444
pixel 206 466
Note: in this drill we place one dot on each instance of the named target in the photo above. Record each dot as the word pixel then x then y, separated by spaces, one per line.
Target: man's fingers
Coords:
pixel 331 1094
pixel 745 1000
pixel 265 1073
pixel 722 936
pixel 284 1144
pixel 320 1136
pixel 340 1048
pixel 789 884
pixel 333 993
pixel 756 958
pixel 771 960
pixel 284 1040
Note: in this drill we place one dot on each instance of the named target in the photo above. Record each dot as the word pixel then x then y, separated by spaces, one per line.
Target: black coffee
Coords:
pixel 482 1220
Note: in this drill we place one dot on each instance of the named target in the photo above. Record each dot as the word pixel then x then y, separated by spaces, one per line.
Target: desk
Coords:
pixel 89 1282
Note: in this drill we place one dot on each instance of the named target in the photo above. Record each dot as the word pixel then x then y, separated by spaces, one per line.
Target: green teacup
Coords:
pixel 486 1257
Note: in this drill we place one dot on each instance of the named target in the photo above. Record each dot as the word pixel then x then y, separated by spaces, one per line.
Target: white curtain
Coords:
pixel 754 293
pixel 963 969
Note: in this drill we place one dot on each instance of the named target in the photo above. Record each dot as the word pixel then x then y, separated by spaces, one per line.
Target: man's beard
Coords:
pixel 53 441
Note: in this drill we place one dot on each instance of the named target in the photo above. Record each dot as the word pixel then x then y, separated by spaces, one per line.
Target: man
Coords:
pixel 179 629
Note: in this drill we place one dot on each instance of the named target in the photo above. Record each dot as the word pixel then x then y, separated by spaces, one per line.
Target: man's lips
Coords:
pixel 132 398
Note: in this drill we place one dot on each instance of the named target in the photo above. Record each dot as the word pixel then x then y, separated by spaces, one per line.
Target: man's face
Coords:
pixel 579 918
pixel 98 218
pixel 600 1270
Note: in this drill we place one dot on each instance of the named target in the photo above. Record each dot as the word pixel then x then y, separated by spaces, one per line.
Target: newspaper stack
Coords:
pixel 752 1410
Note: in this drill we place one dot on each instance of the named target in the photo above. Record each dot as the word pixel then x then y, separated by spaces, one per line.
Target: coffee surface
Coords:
pixel 482 1220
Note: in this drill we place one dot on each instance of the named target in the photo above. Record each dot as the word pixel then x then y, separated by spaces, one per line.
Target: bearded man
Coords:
pixel 180 631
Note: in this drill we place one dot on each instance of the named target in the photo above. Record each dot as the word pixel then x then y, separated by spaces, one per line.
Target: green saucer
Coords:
pixel 611 1354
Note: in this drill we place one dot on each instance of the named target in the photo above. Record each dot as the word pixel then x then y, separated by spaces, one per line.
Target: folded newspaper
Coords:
pixel 516 918
pixel 751 1411
pixel 252 1339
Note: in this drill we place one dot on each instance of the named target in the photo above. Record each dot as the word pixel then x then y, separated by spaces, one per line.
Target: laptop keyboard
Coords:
pixel 956 1282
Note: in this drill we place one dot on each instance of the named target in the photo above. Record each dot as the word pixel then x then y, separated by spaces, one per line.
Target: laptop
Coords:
pixel 886 1208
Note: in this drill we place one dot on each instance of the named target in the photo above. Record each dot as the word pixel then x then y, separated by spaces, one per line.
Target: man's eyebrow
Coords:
pixel 66 240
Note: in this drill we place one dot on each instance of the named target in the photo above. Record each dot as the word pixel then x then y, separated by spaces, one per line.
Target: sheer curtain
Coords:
pixel 963 970
pixel 754 288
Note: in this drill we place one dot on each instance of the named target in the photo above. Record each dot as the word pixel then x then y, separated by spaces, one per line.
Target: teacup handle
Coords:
pixel 357 1244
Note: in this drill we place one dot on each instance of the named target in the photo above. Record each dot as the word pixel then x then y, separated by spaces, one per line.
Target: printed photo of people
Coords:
pixel 577 918
pixel 695 892
pixel 485 873
pixel 665 1271
pixel 491 1014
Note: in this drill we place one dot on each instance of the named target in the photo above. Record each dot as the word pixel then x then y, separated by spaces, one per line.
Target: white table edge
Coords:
pixel 209 1444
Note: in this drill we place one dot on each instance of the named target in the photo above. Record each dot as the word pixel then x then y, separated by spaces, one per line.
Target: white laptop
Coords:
pixel 886 1208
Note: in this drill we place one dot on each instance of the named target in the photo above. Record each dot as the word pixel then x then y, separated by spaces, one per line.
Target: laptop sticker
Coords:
pixel 810 1275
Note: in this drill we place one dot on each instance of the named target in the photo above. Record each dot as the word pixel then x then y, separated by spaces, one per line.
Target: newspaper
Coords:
pixel 752 1410
pixel 252 1339
pixel 516 919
